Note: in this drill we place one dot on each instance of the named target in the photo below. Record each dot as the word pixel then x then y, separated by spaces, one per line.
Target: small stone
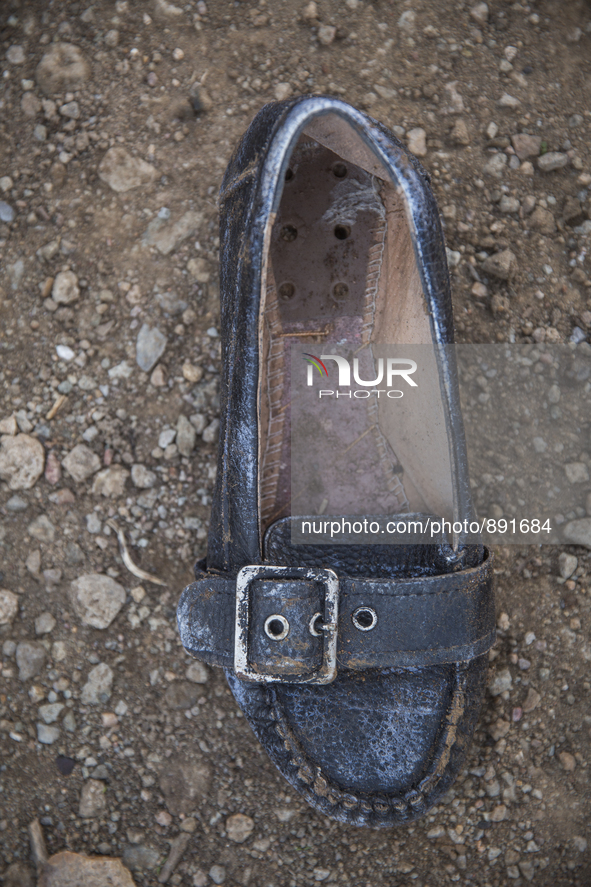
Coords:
pixel 199 269
pixel 499 729
pixel 326 34
pixel 62 68
pixel 542 220
pixel 33 563
pixel 121 371
pixel 508 204
pixel 81 463
pixel 167 236
pixel 525 145
pixel 110 482
pixel 45 623
pixel 407 21
pixel 501 265
pixel 189 825
pixel 282 91
pixel 70 110
pixel 8 426
pixel 239 827
pixel 479 290
pixel 197 672
pixel 509 101
pixel 460 134
pixel 65 288
pixel 580 843
pixel 142 477
pixel 217 873
pixel 30 105
pixel 92 800
pixel 186 436
pixel 454 101
pixel 97 688
pixel 163 818
pixel 567 761
pixel 67 869
pixel 8 606
pixel 47 735
pixel 30 658
pixel 192 373
pixel 184 784
pixel 18 875
pixel 501 682
pixel 150 347
pixel 417 142
pixel 495 166
pixel 499 813
pixel 50 713
pixel 16 55
pixel 210 434
pixel 200 99
pixel 567 564
pixel 140 858
pixel 310 12
pixel 166 437
pixel 41 529
pixel 551 161
pixel 112 38
pixel 576 473
pixel 122 172
pixel 97 599
pixel 53 469
pixel 6 184
pixel 480 13
pixel 181 695
pixel 22 459
pixel 532 701
pixel 158 377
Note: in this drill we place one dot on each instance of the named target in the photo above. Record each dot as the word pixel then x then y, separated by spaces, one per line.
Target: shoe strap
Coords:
pixel 424 621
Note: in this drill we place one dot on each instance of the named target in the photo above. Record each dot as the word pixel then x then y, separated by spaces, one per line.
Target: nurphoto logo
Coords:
pixel 399 367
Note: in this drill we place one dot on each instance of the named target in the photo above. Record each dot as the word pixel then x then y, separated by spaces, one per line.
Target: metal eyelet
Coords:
pixel 364 618
pixel 276 627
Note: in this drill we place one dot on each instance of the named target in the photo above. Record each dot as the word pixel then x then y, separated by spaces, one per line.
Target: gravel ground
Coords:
pixel 116 122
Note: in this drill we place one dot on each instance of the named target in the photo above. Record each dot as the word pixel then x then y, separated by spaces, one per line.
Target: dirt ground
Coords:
pixel 111 156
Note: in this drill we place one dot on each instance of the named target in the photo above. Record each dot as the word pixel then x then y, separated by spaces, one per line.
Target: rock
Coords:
pixel 140 858
pixel 326 34
pixel 163 818
pixel 50 713
pixel 542 220
pixel 22 459
pixel 579 842
pixel 97 688
pixel 501 682
pixel 210 434
pixel 110 482
pixel 501 265
pixel 509 101
pixel 184 784
pixel 18 875
pixel 526 146
pixel 142 477
pixel 167 237
pixel 480 13
pixel 192 373
pixel 551 161
pixel 567 761
pixel 6 212
pixel 71 110
pixel 17 503
pixel 122 172
pixel 217 873
pixel 30 105
pixel 81 462
pixel 97 599
pixel 199 269
pixel 407 21
pixel 150 347
pixel 16 55
pixel 499 729
pixel 499 813
pixel 576 473
pixel 197 672
pixel 496 165
pixel 532 700
pixel 92 801
pixel 578 532
pixel 45 623
pixel 65 288
pixel 572 211
pixel 200 99
pixel 459 133
pixel 509 204
pixel 239 827
pixel 112 38
pixel 67 869
pixel 8 606
pixel 8 426
pixel 282 91
pixel 158 377
pixel 181 695
pixel 62 68
pixel 53 469
pixel 41 529
pixel 310 13
pixel 30 658
pixel 417 142
pixel 454 101
pixel 567 564
pixel 33 563
pixel 186 436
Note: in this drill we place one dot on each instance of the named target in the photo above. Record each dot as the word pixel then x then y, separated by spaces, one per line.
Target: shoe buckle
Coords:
pixel 321 624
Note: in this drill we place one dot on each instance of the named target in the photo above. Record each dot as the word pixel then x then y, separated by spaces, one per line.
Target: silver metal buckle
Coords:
pixel 328 670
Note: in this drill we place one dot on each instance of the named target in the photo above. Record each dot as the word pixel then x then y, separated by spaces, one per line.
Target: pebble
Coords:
pixel 70 110
pixel 460 134
pixel 97 689
pixel 217 873
pixel 8 426
pixel 22 460
pixel 17 503
pixel 578 532
pixel 184 784
pixel 326 34
pixel 142 477
pixel 181 695
pixel 197 672
pixel 41 529
pixel 509 101
pixel 542 220
pixel 576 473
pixel 282 91
pixel 53 469
pixel 501 265
pixel 122 172
pixel 495 166
pixel 67 869
pixel 92 801
pixel 65 288
pixel 141 858
pixel 567 564
pixel 151 344
pixel 47 735
pixel 63 67
pixel 16 55
pixel 532 700
pixel 525 145
pixel 508 204
pixel 166 437
pixel 480 13
pixel 8 606
pixel 45 623
pixel 110 482
pixel 121 371
pixel 186 436
pixel 502 681
pixel 580 843
pixel 50 713
pixel 567 761
pixel 112 38
pixel 552 160
pixel 210 434
pixel 30 658
pixel 192 373
pixel 6 212
pixel 417 142
pixel 81 463
pixel 163 818
pixel 239 827
pixel 167 236
pixel 97 599
pixel 6 184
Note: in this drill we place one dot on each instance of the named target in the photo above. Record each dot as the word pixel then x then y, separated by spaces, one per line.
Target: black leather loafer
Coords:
pixel 361 668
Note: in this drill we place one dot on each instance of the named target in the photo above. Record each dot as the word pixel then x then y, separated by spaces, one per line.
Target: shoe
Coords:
pixel 360 667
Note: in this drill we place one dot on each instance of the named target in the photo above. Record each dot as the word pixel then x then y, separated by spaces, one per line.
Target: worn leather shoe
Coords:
pixel 361 668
